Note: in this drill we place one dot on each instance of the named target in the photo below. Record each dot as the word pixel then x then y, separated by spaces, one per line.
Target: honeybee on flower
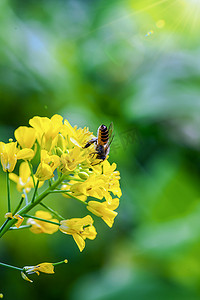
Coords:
pixel 67 160
pixel 102 142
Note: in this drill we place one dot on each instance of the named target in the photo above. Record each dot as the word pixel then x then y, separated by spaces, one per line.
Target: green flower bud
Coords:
pixel 59 151
pixel 83 175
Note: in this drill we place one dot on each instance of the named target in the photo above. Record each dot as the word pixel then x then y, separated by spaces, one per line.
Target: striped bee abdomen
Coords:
pixel 103 135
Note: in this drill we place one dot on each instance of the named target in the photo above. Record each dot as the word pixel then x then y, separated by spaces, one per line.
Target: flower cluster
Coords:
pixel 53 151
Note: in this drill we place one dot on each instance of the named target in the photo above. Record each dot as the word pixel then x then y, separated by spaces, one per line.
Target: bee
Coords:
pixel 102 142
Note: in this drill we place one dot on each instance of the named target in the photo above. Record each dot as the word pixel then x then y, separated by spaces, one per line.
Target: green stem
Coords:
pixel 31 169
pixel 52 211
pixel 21 227
pixel 8 190
pixel 19 205
pixel 26 197
pixel 60 262
pixel 12 267
pixel 40 219
pixel 35 191
pixel 31 205
pixel 4 224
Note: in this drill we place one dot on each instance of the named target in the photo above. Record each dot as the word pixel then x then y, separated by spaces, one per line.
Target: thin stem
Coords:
pixel 19 205
pixel 35 191
pixel 4 224
pixel 8 190
pixel 26 197
pixel 60 262
pixel 12 267
pixel 52 211
pixel 70 195
pixel 31 169
pixel 40 219
pixel 21 227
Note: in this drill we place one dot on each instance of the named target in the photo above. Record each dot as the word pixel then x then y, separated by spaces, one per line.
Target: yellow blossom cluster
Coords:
pixel 54 151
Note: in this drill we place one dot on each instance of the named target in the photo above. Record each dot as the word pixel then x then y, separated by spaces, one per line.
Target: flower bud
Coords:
pixel 59 151
pixel 83 175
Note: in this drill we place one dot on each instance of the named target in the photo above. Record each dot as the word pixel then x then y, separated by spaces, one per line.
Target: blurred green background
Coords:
pixel 136 63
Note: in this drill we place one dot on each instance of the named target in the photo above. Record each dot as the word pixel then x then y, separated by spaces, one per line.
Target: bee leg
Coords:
pixel 90 142
pixel 96 163
pixel 93 153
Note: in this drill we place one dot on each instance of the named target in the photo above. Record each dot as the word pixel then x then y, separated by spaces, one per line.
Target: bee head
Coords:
pixel 103 127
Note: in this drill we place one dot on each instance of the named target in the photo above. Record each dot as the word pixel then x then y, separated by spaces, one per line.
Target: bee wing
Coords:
pixel 110 134
pixel 111 139
pixel 110 130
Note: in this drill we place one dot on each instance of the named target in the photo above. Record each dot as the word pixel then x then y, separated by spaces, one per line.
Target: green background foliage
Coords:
pixel 95 62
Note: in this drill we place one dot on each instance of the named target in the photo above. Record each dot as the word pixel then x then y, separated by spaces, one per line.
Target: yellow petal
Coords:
pixel 25 277
pixel 79 241
pixel 8 164
pixel 45 268
pixel 25 136
pixel 42 226
pixel 8 156
pixel 24 171
pixel 40 123
pixel 89 233
pixel 113 204
pixel 44 172
pixel 14 177
pixel 20 219
pixel 68 129
pixel 8 215
pixel 109 219
pixel 102 210
pixel 26 154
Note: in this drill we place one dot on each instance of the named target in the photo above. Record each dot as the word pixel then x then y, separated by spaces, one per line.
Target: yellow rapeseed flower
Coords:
pixel 25 136
pixel 99 183
pixel 73 136
pixel 44 172
pixel 47 130
pixel 43 267
pixel 111 178
pixel 47 166
pixel 52 160
pixel 38 226
pixel 93 186
pixel 69 161
pixel 8 152
pixel 80 229
pixel 66 187
pixel 105 210
pixel 24 181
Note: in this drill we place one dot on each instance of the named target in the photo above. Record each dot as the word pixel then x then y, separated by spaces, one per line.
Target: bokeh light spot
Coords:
pixel 160 23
